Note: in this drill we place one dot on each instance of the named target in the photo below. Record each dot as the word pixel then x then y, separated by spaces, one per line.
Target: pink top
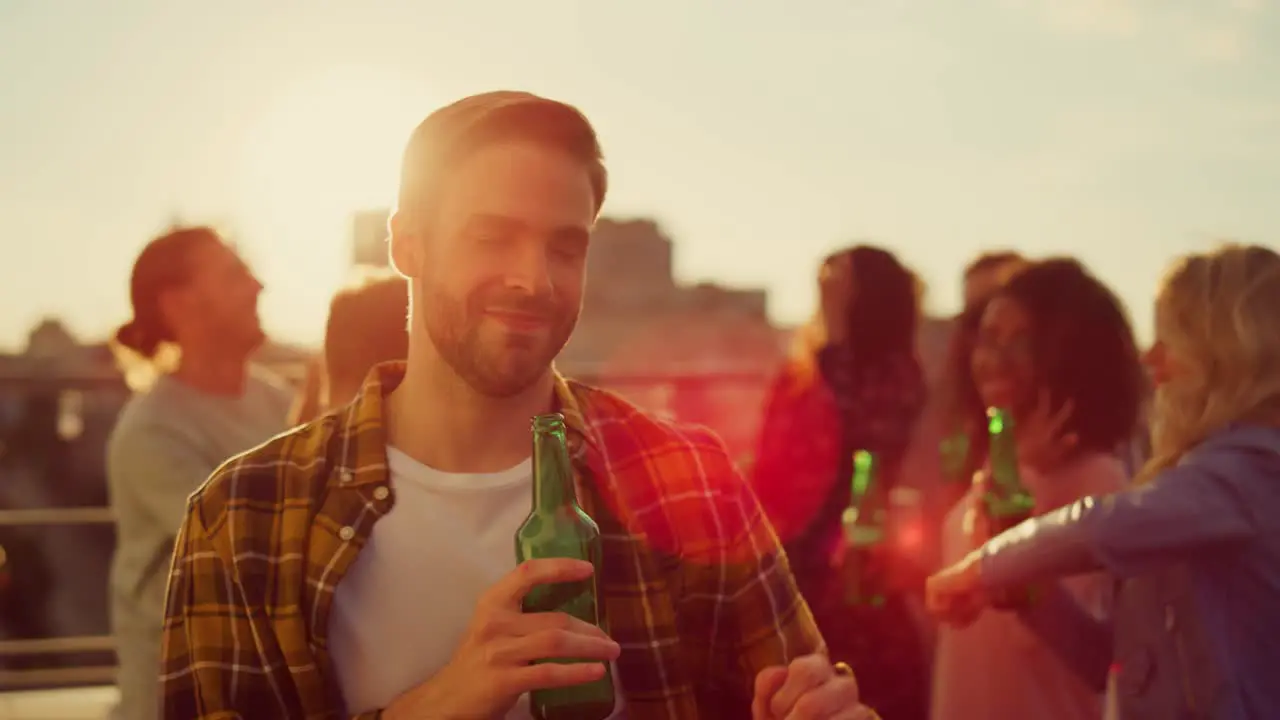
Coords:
pixel 996 668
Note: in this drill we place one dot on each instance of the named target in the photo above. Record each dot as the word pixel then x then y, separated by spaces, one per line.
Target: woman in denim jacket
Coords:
pixel 1195 544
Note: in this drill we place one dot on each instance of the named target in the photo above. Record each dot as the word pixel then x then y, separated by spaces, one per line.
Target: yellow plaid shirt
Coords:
pixel 693 584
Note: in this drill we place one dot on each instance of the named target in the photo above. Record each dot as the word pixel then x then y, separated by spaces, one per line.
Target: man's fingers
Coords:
pixel 803 674
pixel 768 682
pixel 830 699
pixel 515 585
pixel 527 678
pixel 553 645
pixel 519 624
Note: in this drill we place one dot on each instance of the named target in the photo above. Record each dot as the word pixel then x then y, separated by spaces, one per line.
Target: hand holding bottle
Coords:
pixel 493 666
pixel 977 520
pixel 954 595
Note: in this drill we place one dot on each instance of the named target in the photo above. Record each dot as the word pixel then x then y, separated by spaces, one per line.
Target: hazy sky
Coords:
pixel 762 134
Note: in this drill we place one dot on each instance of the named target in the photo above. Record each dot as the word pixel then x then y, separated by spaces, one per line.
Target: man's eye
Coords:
pixel 567 252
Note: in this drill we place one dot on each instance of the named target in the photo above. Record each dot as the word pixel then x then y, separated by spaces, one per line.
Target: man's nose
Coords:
pixel 528 270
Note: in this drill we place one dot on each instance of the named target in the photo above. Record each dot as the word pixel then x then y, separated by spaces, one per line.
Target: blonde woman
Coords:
pixel 1195 544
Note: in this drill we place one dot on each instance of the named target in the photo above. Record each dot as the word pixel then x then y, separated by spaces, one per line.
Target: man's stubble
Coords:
pixel 455 329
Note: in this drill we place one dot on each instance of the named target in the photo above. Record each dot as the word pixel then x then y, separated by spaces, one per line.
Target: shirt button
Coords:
pixel 345 476
pixel 1169 617
pixel 381 492
pixel 346 533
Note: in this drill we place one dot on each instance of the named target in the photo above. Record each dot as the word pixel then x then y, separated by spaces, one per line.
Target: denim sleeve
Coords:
pixel 1187 509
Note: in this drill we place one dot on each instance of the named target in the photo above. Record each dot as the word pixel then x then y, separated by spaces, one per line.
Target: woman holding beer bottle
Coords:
pixel 1053 336
pixel 853 383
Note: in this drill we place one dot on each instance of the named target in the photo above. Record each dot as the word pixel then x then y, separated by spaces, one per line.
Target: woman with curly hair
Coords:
pixel 1052 335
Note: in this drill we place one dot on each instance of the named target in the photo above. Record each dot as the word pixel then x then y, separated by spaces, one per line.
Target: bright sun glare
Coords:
pixel 321 150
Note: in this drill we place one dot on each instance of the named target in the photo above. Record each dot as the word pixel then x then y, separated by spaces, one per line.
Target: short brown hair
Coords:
pixel 367 325
pixel 452 133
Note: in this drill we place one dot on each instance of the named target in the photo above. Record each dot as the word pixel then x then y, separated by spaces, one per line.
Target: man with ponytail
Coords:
pixel 195 324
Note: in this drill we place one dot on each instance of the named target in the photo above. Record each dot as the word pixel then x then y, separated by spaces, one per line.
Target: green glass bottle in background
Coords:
pixel 557 527
pixel 1008 502
pixel 864 531
pixel 953 454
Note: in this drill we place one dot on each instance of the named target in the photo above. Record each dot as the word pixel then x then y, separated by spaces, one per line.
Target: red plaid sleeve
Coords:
pixel 739 592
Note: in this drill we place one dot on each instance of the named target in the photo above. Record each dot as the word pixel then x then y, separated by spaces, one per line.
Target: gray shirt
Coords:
pixel 166 442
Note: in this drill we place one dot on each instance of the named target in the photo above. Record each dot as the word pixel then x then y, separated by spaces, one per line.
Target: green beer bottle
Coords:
pixel 863 521
pixel 557 527
pixel 953 452
pixel 1008 502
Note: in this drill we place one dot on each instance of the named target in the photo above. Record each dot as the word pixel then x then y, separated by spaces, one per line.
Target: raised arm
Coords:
pixel 1198 505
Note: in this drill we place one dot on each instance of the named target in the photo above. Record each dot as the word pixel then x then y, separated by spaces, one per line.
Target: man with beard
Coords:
pixel 365 564
pixel 191 293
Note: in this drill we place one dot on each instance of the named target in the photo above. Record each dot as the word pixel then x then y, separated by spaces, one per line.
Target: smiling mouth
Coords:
pixel 522 321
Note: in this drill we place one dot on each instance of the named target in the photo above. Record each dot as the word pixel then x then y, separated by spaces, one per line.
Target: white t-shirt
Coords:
pixel 401 610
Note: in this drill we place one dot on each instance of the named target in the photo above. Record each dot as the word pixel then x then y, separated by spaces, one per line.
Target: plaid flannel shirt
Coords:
pixel 693 583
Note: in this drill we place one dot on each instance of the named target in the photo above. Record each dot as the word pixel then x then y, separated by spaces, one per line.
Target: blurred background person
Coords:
pixel 958 395
pixel 853 382
pixel 194 327
pixel 367 325
pixel 1051 331
pixel 1195 541
pixel 987 272
pixel 937 462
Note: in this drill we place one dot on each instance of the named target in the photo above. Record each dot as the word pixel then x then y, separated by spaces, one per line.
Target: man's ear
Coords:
pixel 405 245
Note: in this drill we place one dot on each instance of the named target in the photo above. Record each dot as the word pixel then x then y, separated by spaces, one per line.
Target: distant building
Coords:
pixel 636 316
pixel 715 344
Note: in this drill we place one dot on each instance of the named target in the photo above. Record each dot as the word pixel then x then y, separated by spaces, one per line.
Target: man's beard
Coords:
pixel 488 364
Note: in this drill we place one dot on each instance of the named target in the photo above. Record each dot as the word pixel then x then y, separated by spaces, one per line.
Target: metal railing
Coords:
pixel 664 391
pixel 56 516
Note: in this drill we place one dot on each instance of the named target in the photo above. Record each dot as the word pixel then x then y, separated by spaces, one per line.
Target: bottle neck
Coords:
pixel 1002 452
pixel 864 477
pixel 552 472
pixel 1003 458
